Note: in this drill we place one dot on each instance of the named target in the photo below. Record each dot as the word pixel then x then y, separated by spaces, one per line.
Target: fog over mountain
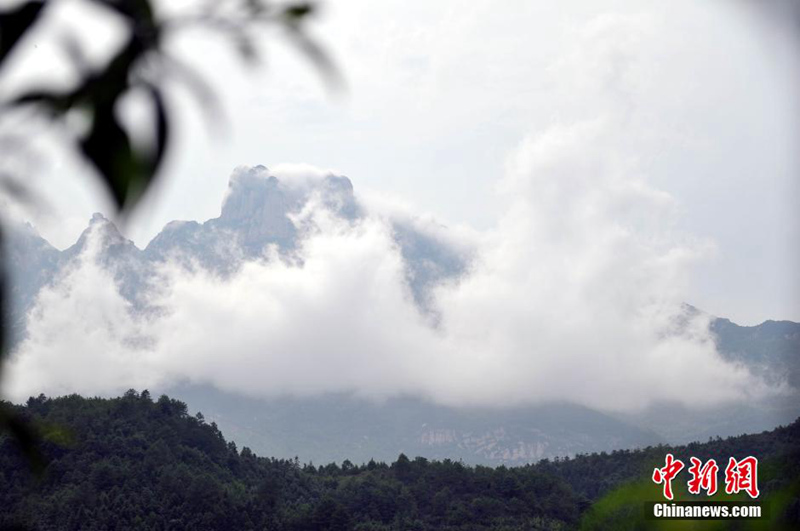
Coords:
pixel 300 288
pixel 314 318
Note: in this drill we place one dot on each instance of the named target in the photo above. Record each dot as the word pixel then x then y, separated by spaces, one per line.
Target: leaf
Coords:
pixel 109 148
pixel 54 102
pixel 207 101
pixel 126 171
pixel 296 12
pixel 14 24
pixel 138 11
pixel 317 55
pixel 162 133
pixel 293 17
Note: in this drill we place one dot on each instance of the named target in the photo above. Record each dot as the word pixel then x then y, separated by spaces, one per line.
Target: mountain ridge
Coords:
pixel 261 212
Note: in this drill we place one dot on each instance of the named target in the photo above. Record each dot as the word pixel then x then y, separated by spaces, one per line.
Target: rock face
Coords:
pixel 256 213
pixel 256 210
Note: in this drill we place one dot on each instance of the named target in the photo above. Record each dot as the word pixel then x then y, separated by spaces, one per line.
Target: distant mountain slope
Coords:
pixel 136 463
pixel 338 427
pixel 771 348
pixel 609 470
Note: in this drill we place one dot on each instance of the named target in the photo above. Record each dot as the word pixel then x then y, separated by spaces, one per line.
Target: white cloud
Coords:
pixel 81 336
pixel 440 91
pixel 574 295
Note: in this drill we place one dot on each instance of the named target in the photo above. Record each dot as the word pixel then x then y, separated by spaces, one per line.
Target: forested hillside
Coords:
pixel 138 463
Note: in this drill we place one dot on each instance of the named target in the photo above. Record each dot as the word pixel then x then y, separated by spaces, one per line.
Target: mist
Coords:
pixel 575 293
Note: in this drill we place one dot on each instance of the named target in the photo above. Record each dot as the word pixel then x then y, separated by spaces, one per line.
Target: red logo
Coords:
pixel 740 476
pixel 703 477
pixel 667 474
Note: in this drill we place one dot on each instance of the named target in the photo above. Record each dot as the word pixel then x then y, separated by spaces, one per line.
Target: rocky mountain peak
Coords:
pixel 257 196
pixel 252 194
pixel 258 204
pixel 256 209
pixel 337 193
pixel 104 229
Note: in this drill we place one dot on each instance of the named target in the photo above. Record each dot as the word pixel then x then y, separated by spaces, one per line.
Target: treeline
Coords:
pixel 137 463
pixel 593 475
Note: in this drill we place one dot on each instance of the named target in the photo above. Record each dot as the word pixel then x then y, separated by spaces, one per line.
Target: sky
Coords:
pixel 696 100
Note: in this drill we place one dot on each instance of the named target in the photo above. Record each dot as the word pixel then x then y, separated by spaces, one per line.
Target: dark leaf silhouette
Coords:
pixel 207 101
pixel 162 129
pixel 299 11
pixel 294 17
pixel 15 23
pixel 126 169
pixel 109 148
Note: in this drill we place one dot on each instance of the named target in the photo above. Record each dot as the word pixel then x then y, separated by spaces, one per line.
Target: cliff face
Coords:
pixel 257 210
pixel 255 214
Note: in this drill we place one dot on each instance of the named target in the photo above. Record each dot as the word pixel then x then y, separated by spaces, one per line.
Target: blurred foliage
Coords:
pixel 141 65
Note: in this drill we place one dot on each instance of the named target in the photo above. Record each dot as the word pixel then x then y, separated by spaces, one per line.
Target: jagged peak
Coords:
pixel 102 227
pixel 248 189
pixel 252 190
pixel 100 222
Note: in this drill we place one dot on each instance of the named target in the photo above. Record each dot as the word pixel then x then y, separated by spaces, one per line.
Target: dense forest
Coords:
pixel 137 463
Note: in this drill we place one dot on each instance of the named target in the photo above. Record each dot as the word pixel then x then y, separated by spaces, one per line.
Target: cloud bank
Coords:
pixel 575 295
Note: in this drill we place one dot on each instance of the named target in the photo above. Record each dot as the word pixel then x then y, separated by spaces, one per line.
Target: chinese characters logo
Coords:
pixel 740 476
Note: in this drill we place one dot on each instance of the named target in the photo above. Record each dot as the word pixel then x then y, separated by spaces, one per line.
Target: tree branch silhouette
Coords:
pixel 127 169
